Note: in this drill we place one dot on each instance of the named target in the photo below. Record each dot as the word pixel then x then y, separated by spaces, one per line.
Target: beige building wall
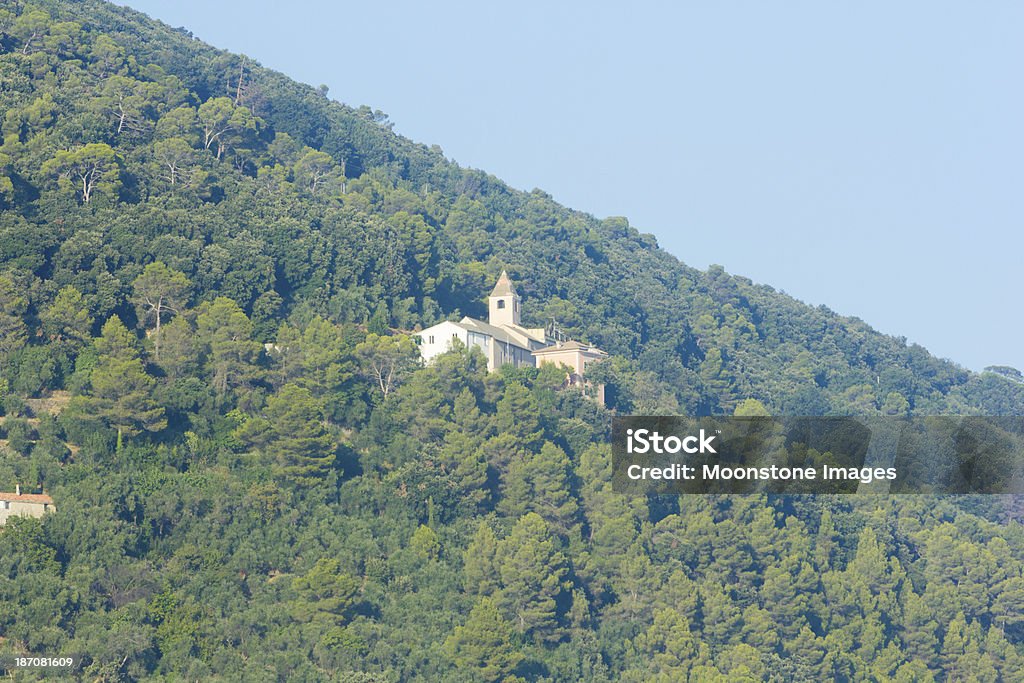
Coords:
pixel 576 358
pixel 567 357
pixel 24 505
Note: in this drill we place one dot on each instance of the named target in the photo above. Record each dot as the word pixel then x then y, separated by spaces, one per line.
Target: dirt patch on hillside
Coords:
pixel 52 404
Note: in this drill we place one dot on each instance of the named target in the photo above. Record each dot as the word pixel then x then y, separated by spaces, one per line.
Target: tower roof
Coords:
pixel 504 286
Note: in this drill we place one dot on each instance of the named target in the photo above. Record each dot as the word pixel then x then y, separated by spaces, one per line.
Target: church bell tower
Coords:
pixel 503 303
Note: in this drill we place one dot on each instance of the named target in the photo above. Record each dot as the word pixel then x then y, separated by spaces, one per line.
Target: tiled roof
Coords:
pixel 501 334
pixel 536 334
pixel 504 286
pixel 39 498
pixel 571 346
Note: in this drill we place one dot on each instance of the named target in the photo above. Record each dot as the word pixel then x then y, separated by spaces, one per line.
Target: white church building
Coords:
pixel 502 339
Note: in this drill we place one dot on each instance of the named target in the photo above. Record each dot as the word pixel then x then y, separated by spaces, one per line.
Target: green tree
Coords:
pixel 13 331
pixel 226 334
pixel 480 575
pixel 178 123
pixel 300 444
pixel 179 349
pixel 895 404
pixel 918 629
pixel 534 577
pixel 88 169
pixel 120 393
pixel 484 645
pixel 751 407
pixel 107 54
pixel 722 618
pixel 540 483
pixel 314 170
pixel 67 320
pixel 464 460
pixel 387 360
pixel 175 158
pixel 126 101
pixel 380 322
pixel 668 647
pixel 325 358
pixel 324 593
pixel 158 292
pixel 219 119
pixel 424 543
pixel 518 416
pixel 30 28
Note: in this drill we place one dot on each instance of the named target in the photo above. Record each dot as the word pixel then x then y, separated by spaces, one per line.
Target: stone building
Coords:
pixel 504 341
pixel 575 357
pixel 20 504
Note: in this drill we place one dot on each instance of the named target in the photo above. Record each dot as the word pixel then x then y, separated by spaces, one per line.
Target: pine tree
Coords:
pixel 424 543
pixel 953 647
pixel 480 574
pixel 534 577
pixel 722 619
pixel 231 353
pixel 67 320
pixel 825 541
pixel 785 595
pixel 463 458
pixel 1008 606
pixel 635 582
pixel 179 356
pixel 379 322
pixel 667 645
pixel 758 628
pixel 300 445
pixel 468 417
pixel 120 392
pixel 540 483
pixel 519 416
pixel 159 292
pixel 918 629
pixel 809 657
pixel 484 645
pixel 13 331
pixel 326 358
pixel 324 593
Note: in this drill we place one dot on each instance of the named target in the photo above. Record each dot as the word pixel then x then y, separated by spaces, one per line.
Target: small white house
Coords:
pixel 20 504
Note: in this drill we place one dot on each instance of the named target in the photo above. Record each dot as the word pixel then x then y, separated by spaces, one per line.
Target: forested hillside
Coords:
pixel 208 277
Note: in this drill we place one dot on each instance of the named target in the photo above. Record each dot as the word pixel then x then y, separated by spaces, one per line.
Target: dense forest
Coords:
pixel 209 275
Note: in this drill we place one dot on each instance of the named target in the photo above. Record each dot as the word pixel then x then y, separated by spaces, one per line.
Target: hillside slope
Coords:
pixel 207 271
pixel 413 230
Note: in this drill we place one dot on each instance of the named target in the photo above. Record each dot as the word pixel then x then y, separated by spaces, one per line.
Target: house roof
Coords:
pixel 504 286
pixel 536 335
pixel 38 498
pixel 502 334
pixel 572 346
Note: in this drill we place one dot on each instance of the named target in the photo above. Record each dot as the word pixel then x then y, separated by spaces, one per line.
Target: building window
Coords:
pixel 501 303
pixel 6 504
pixel 430 339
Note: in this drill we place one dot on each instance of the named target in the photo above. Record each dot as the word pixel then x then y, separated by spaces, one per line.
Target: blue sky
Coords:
pixel 867 156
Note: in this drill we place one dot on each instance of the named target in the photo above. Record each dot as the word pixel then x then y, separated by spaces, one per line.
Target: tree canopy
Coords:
pixel 210 281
